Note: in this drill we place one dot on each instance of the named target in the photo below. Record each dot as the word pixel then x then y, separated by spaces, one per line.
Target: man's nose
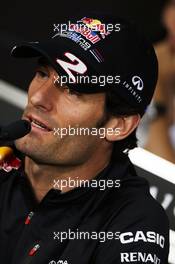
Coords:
pixel 43 97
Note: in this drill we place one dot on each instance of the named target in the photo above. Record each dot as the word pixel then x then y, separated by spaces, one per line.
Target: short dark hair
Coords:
pixel 116 106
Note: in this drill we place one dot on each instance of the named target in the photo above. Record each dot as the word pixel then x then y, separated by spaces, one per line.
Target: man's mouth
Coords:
pixel 39 124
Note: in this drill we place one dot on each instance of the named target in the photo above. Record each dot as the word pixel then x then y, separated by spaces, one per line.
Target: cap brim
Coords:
pixel 38 49
pixel 26 50
pixel 33 50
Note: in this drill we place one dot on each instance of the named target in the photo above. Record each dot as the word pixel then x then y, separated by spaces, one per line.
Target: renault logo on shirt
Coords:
pixel 138 82
pixel 141 257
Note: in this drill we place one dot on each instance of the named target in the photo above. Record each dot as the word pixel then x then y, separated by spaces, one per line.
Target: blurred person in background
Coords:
pixel 161 132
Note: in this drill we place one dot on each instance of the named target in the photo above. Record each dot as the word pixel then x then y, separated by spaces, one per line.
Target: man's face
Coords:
pixel 59 107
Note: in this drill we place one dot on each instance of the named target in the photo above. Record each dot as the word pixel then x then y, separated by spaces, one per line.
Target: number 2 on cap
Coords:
pixel 76 65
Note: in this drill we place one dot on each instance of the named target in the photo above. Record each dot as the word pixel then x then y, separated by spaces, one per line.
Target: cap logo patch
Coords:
pixel 76 65
pixel 138 82
pixel 86 32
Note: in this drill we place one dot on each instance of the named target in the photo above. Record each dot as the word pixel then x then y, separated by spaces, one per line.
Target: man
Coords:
pixel 77 198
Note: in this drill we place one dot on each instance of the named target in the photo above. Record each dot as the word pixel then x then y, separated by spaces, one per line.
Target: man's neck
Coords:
pixel 44 177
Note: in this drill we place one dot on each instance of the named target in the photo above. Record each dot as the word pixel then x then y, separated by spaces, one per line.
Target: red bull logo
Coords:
pixel 95 25
pixel 89 27
pixel 85 32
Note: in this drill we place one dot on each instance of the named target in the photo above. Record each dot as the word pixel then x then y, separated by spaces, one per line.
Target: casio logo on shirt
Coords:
pixel 148 237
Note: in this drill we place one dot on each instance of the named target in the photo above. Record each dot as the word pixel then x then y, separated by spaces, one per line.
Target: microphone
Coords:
pixel 15 130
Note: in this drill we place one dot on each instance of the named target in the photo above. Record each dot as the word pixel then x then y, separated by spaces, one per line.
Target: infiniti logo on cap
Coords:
pixel 137 81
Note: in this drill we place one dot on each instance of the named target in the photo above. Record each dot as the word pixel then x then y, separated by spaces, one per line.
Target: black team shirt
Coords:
pixel 86 225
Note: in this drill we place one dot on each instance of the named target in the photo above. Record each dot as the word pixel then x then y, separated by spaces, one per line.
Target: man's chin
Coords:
pixel 26 149
pixel 34 152
pixel 24 146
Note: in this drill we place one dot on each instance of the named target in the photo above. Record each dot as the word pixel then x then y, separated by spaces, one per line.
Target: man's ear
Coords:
pixel 118 128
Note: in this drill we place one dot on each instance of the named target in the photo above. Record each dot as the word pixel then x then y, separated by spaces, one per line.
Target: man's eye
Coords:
pixel 41 74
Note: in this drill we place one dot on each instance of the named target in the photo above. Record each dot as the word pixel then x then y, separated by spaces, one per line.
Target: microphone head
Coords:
pixel 15 130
